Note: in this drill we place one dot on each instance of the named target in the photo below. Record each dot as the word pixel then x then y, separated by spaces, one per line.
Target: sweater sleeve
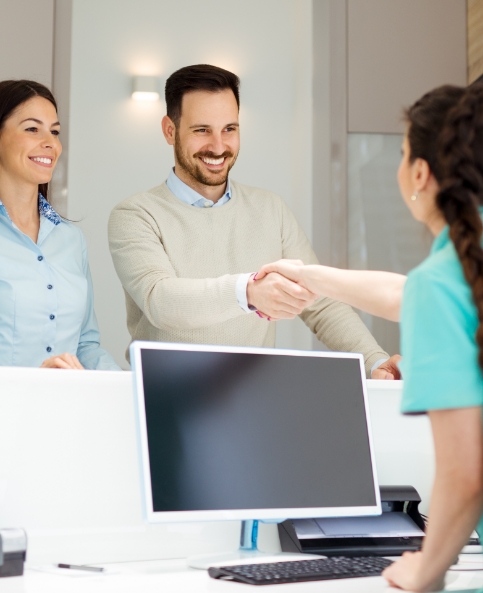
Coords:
pixel 334 323
pixel 147 275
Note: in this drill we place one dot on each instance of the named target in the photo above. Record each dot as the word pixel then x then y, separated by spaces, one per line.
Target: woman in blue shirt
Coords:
pixel 46 303
pixel 440 306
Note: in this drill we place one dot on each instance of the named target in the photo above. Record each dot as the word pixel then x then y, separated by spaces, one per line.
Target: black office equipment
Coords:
pixel 13 550
pixel 394 499
pixel 320 569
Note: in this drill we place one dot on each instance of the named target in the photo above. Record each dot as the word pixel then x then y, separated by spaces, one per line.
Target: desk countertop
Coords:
pixel 172 576
pixel 71 440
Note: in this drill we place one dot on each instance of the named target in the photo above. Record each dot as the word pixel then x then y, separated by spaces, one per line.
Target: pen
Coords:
pixel 77 567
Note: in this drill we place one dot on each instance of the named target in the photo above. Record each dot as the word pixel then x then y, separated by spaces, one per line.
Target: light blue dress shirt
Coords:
pixel 189 196
pixel 46 298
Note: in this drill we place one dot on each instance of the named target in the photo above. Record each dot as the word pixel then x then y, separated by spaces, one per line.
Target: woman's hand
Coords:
pixel 408 573
pixel 275 296
pixel 292 269
pixel 62 361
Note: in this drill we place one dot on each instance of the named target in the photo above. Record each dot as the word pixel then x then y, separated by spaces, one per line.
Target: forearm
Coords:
pixel 453 515
pixel 152 281
pixel 377 293
pixel 457 498
pixel 186 303
pixel 341 329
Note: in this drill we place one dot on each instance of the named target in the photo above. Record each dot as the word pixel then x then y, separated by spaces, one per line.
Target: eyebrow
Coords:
pixel 37 121
pixel 235 124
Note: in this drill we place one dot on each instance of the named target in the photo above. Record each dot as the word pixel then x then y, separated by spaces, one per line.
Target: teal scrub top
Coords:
pixel 438 326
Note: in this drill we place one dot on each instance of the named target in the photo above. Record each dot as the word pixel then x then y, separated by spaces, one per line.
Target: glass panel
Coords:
pixel 382 233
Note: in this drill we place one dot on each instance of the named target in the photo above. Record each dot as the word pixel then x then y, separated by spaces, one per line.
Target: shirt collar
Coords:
pixel 440 240
pixel 45 210
pixel 188 195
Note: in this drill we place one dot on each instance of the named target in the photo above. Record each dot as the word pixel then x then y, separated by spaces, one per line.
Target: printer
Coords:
pixel 400 528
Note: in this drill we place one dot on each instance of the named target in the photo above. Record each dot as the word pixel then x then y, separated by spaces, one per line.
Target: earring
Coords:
pixel 415 196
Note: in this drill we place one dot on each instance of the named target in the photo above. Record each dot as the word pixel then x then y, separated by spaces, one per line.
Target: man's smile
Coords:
pixel 214 164
pixel 209 161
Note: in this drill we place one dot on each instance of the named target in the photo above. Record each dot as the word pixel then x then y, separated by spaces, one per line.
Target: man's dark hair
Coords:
pixel 202 77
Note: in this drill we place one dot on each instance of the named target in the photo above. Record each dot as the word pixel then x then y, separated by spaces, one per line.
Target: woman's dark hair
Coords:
pixel 202 77
pixel 446 129
pixel 15 92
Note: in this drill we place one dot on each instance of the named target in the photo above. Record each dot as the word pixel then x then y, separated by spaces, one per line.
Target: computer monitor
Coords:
pixel 230 433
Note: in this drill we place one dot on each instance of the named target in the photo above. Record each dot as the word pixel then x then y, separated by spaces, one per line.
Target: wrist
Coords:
pixel 250 291
pixel 309 278
pixel 241 292
pixel 425 578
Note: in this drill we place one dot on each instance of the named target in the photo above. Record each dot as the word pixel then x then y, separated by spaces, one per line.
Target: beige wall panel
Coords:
pixel 398 50
pixel 26 39
pixel 475 39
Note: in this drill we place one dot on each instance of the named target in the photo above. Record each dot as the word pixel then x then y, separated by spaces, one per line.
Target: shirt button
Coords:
pixel 40 258
pixel 49 349
pixel 49 286
pixel 52 316
pixel 207 204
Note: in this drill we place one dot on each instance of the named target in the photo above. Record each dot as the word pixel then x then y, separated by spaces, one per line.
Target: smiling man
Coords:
pixel 187 251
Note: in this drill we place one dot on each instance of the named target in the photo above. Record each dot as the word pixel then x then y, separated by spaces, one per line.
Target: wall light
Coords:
pixel 145 88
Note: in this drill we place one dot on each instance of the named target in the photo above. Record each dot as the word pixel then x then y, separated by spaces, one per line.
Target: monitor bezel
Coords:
pixel 264 514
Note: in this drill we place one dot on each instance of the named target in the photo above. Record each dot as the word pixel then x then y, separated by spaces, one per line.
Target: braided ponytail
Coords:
pixel 460 172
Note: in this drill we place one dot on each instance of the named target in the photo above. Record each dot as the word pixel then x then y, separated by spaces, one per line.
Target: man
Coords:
pixel 186 251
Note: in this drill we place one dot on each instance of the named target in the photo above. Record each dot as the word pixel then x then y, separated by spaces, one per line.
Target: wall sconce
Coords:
pixel 145 88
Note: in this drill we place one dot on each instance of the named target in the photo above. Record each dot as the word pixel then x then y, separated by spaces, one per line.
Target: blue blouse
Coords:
pixel 46 297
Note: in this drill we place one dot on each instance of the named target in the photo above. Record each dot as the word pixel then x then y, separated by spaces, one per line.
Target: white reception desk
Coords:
pixel 69 471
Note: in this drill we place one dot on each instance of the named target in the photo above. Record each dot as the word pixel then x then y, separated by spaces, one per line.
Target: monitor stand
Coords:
pixel 247 553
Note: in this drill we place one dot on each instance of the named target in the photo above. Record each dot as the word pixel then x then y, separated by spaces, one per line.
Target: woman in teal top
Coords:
pixel 440 306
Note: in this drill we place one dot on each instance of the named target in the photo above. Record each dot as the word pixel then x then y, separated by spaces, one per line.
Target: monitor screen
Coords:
pixel 253 433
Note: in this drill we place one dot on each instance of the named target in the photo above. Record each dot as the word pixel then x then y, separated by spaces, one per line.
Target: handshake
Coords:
pixel 280 291
pixel 283 289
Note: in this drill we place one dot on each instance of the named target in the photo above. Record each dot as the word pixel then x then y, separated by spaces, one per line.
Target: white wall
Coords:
pixel 116 147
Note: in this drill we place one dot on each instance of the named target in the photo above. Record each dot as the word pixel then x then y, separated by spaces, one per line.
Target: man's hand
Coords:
pixel 276 297
pixel 62 361
pixel 388 370
pixel 408 573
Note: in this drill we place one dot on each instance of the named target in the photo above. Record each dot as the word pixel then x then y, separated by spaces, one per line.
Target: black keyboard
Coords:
pixel 336 567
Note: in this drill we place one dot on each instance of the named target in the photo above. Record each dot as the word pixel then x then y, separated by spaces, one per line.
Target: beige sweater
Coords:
pixel 179 265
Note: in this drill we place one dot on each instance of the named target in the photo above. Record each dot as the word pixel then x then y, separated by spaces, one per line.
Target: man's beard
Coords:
pixel 193 169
